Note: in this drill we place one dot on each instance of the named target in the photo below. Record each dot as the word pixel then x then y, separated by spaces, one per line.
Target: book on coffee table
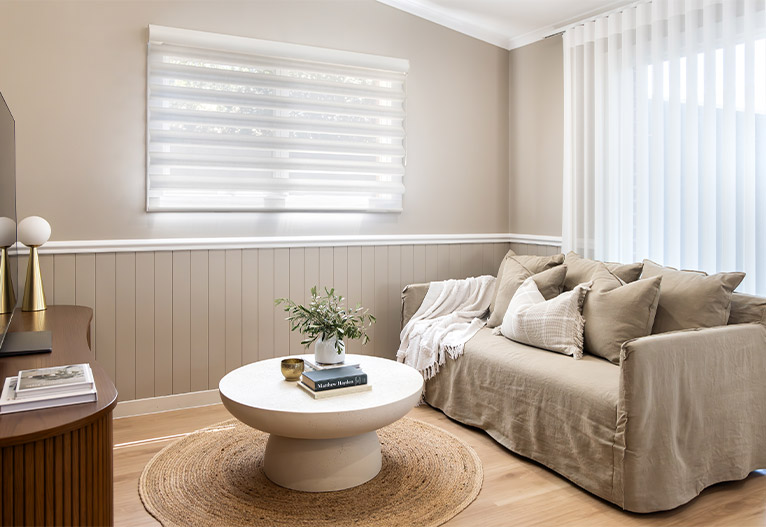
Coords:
pixel 335 392
pixel 334 378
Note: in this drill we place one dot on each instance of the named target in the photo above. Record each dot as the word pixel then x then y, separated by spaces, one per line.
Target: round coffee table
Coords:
pixel 319 445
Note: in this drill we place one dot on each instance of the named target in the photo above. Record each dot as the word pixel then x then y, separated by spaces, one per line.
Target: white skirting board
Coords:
pixel 166 403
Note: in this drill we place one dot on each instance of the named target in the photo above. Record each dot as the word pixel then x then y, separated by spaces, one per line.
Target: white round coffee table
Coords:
pixel 319 445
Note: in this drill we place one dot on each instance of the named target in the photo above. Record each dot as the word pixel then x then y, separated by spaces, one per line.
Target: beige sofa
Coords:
pixel 682 411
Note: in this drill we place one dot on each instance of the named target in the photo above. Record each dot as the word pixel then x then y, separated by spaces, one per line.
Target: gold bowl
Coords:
pixel 292 369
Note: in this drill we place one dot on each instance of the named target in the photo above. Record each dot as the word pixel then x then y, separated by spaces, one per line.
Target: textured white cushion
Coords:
pixel 556 324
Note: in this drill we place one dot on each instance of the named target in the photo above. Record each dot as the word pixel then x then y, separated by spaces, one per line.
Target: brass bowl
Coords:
pixel 292 369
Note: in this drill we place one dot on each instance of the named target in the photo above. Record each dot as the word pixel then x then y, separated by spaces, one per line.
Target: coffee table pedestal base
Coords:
pixel 322 465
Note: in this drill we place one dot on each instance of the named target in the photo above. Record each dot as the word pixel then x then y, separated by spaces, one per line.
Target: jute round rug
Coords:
pixel 215 477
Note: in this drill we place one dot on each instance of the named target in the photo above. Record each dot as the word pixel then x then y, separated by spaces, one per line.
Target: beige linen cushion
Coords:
pixel 691 299
pixel 555 324
pixel 621 314
pixel 628 273
pixel 550 283
pixel 534 264
pixel 747 309
pixel 603 279
pixel 581 270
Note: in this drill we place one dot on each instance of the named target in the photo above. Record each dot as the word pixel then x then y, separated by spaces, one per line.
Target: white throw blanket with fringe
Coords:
pixel 446 319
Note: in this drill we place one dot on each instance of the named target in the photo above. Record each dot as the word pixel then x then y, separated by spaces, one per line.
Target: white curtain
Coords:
pixel 665 136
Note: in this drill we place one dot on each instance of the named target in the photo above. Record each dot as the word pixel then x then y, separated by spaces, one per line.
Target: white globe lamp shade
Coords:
pixel 34 231
pixel 7 232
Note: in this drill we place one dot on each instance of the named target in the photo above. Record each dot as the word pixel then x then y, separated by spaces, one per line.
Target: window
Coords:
pixel 665 136
pixel 238 124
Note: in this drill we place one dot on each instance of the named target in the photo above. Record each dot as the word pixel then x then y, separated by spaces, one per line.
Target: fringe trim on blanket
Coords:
pixel 577 349
pixel 429 372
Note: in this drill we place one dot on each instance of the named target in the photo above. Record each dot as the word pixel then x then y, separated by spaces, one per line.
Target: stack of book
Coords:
pixel 329 381
pixel 47 388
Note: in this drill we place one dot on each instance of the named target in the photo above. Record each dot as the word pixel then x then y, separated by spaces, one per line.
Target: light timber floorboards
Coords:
pixel 516 491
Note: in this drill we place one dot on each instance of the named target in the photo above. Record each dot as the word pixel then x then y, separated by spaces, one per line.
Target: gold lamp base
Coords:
pixel 7 293
pixel 34 296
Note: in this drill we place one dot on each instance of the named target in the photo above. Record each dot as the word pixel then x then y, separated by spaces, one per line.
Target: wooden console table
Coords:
pixel 56 463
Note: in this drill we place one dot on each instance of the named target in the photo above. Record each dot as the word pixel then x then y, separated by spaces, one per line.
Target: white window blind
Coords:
pixel 239 124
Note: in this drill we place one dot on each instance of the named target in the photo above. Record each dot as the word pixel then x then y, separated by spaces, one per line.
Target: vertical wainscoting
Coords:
pixel 170 322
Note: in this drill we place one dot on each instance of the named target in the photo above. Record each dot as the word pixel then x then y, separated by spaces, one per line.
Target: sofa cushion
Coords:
pixel 412 297
pixel 550 283
pixel 512 273
pixel 581 270
pixel 628 273
pixel 747 309
pixel 555 324
pixel 545 406
pixel 691 299
pixel 618 315
pixel 603 279
pixel 534 263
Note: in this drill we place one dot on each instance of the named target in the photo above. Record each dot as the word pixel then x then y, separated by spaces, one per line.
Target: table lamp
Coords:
pixel 33 232
pixel 7 238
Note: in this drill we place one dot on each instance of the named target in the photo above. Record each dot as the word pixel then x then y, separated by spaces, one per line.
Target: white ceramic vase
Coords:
pixel 325 352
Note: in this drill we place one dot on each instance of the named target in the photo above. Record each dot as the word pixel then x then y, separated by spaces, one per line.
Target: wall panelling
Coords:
pixel 175 321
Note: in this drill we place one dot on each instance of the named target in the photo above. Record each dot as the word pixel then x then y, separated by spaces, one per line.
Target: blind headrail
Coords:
pixel 247 45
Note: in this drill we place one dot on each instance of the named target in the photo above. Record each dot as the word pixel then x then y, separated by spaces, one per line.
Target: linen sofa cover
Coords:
pixel 540 404
pixel 682 411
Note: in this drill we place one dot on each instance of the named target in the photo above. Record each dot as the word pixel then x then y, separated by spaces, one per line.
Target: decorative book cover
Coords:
pixel 334 378
pixel 56 379
pixel 334 393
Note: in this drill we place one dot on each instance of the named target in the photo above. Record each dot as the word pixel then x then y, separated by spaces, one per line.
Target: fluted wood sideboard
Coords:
pixel 56 463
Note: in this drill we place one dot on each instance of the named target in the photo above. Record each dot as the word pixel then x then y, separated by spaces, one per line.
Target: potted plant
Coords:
pixel 327 323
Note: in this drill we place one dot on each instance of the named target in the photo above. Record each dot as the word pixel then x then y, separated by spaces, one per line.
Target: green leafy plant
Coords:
pixel 326 317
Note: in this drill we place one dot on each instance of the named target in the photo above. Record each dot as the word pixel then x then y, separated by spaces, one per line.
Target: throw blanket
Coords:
pixel 447 318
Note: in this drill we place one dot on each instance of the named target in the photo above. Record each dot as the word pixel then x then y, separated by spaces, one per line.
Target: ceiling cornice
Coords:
pixel 491 35
pixel 417 8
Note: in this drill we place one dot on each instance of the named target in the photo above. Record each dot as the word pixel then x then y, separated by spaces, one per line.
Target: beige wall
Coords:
pixel 536 93
pixel 73 73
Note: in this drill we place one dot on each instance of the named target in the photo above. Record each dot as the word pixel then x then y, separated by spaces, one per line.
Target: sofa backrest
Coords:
pixel 747 308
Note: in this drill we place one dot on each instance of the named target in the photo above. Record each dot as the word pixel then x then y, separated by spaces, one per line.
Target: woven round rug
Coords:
pixel 214 476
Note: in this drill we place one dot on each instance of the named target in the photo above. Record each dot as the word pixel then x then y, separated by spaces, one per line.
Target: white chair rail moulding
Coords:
pixel 665 136
pixel 241 124
pixel 272 242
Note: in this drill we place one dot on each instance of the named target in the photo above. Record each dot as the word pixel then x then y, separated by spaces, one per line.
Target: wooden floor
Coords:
pixel 515 492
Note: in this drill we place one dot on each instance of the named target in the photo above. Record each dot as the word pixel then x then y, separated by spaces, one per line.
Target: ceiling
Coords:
pixel 506 23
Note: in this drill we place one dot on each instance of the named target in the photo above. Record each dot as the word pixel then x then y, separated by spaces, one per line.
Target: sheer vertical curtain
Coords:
pixel 665 136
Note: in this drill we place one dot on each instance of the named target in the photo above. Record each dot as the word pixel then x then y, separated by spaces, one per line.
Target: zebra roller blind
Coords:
pixel 239 124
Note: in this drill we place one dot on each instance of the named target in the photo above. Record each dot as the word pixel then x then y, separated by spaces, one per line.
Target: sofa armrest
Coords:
pixel 412 297
pixel 691 412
